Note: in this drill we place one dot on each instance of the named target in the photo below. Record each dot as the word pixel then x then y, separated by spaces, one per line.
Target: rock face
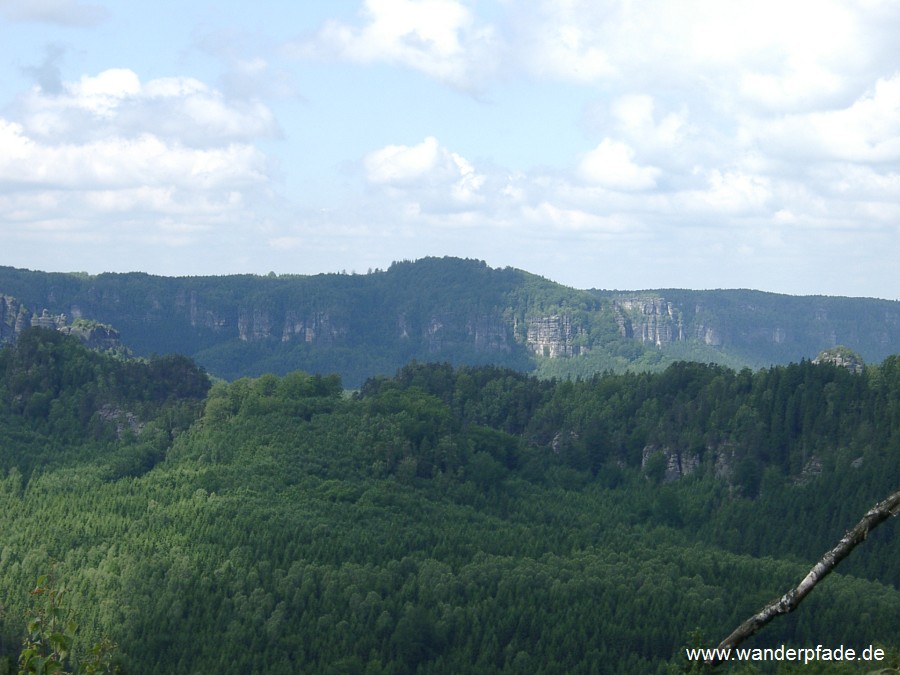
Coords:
pixel 436 332
pixel 15 317
pixel 650 320
pixel 254 324
pixel 708 336
pixel 200 317
pixel 94 335
pixel 489 333
pixel 843 357
pixel 125 421
pixel 554 336
pixel 719 460
pixel 47 321
pixel 482 332
pixel 678 464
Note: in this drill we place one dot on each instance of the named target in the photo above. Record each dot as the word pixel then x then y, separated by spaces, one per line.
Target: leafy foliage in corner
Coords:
pixel 49 642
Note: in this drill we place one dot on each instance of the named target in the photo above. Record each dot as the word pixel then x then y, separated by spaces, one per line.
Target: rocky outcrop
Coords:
pixel 811 470
pixel 199 316
pixel 843 357
pixel 554 336
pixel 725 459
pixel 482 332
pixel 434 334
pixel 15 317
pixel 124 421
pixel 678 464
pixel 45 320
pixel 709 336
pixel 254 324
pixel 318 328
pixel 488 333
pixel 94 335
pixel 650 320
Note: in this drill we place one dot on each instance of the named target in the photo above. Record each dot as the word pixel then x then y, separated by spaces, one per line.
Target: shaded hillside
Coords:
pixel 446 309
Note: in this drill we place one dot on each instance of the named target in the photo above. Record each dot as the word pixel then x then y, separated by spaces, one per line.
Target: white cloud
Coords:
pixel 866 131
pixel 439 38
pixel 427 173
pixel 569 51
pixel 112 84
pixel 139 166
pixel 635 116
pixel 61 12
pixel 168 160
pixel 554 217
pixel 765 52
pixel 611 164
pixel 466 189
pixel 852 181
pixel 402 163
pixel 566 40
pixel 116 102
pixel 729 193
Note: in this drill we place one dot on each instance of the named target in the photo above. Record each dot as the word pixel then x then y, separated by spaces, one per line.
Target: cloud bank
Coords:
pixel 152 160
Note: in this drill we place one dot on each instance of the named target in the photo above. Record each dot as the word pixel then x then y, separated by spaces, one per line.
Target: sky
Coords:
pixel 615 144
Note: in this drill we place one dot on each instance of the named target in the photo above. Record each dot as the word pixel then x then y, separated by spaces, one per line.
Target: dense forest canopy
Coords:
pixel 445 519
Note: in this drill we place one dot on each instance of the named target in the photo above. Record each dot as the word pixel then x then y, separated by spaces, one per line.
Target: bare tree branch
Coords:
pixel 789 601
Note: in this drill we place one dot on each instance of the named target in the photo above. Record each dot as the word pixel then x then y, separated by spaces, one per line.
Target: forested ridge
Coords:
pixel 444 309
pixel 445 519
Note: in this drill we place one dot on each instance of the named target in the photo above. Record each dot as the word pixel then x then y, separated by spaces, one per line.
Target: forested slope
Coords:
pixel 444 520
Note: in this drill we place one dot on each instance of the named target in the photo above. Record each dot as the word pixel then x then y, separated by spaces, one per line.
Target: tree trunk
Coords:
pixel 789 601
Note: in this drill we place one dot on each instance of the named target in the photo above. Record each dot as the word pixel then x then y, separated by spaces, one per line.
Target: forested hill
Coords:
pixel 443 520
pixel 443 309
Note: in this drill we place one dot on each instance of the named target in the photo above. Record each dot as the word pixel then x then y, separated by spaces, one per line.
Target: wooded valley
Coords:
pixel 445 519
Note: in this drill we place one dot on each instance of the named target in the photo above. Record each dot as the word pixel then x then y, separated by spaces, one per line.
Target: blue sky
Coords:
pixel 606 144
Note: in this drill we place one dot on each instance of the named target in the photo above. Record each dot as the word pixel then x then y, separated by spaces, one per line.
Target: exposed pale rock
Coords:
pixel 15 317
pixel 650 320
pixel 553 336
pixel 678 464
pixel 843 357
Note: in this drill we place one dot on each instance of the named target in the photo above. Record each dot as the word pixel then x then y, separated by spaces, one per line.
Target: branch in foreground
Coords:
pixel 789 601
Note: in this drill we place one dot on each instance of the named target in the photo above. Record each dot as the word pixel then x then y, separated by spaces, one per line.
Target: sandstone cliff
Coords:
pixel 650 320
pixel 844 357
pixel 555 336
pixel 15 317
